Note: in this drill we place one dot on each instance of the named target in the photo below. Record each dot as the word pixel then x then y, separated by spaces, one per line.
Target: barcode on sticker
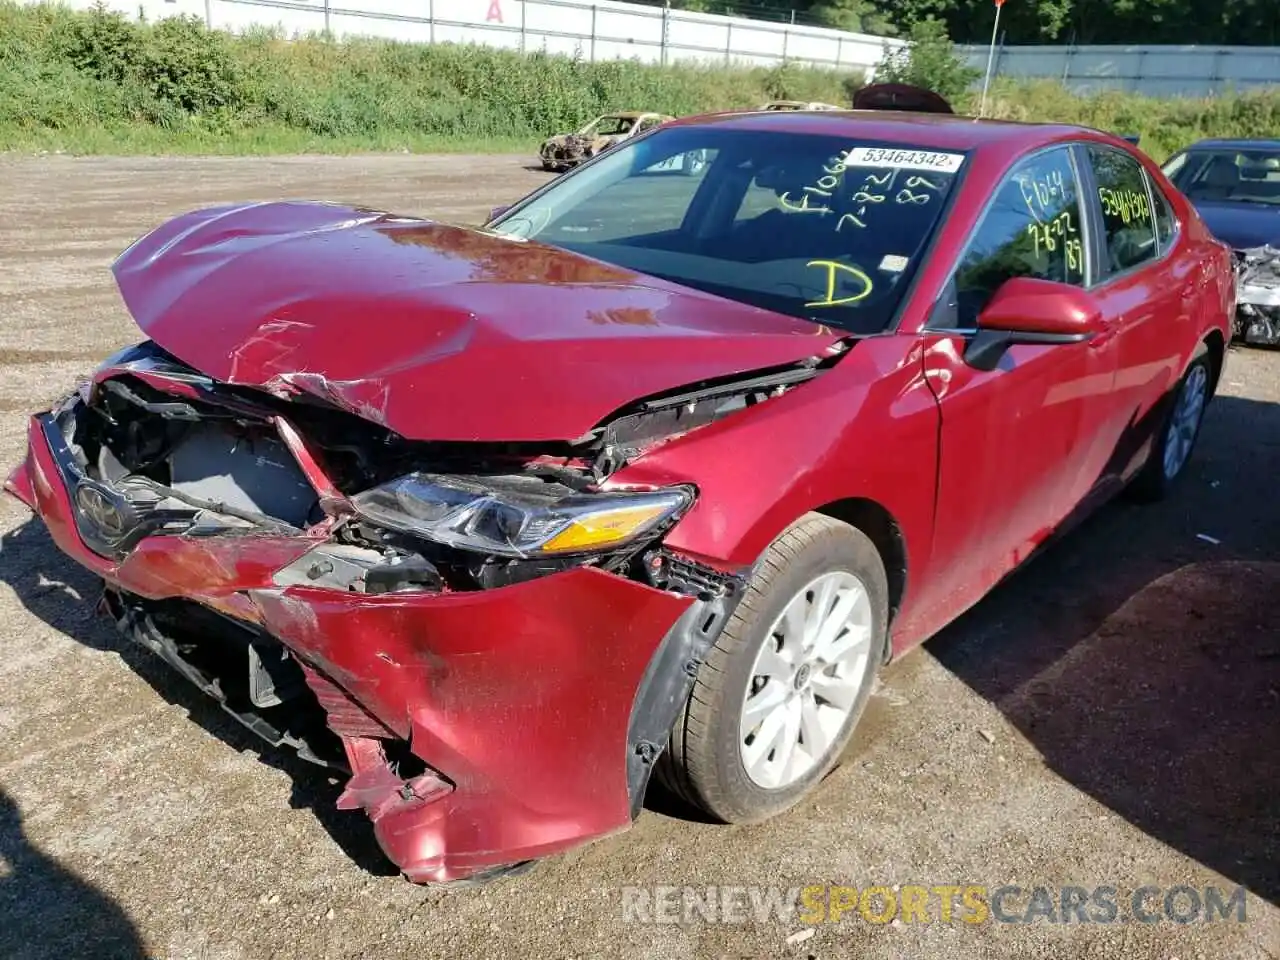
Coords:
pixel 904 159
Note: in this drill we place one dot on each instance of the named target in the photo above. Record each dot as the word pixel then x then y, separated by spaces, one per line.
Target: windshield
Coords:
pixel 828 228
pixel 608 126
pixel 1228 175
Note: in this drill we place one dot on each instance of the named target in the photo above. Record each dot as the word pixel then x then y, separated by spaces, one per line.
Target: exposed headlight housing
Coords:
pixel 470 514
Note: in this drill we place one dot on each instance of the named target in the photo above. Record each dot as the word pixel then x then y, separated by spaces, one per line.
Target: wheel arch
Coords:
pixel 885 533
pixel 1217 347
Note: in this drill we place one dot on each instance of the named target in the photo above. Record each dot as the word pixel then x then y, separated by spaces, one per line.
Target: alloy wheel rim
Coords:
pixel 1185 422
pixel 805 680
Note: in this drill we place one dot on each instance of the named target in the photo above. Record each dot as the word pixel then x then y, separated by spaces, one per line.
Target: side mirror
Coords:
pixel 1025 310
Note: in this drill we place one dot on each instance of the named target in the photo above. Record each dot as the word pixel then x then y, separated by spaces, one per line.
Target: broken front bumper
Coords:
pixel 1258 295
pixel 534 711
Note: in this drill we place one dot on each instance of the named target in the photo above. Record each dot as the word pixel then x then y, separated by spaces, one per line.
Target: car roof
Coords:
pixel 1227 143
pixel 942 131
pixel 629 115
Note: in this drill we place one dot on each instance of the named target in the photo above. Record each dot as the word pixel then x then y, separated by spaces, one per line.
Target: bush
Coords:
pixel 928 60
pixel 188 65
pixel 95 78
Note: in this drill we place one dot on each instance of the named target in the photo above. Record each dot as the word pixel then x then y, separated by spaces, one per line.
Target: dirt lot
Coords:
pixel 1111 716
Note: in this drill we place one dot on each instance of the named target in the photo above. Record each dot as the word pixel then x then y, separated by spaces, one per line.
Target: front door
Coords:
pixel 1011 438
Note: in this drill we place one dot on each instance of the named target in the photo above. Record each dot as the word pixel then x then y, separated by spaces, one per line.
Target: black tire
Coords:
pixel 1153 482
pixel 702 764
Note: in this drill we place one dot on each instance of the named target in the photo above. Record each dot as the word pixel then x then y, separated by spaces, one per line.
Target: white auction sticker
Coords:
pixel 904 159
pixel 893 263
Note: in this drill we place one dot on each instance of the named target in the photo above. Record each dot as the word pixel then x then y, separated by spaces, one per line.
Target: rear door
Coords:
pixel 1148 283
pixel 1012 438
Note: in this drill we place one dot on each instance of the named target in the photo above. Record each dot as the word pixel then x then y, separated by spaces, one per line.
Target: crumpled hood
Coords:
pixel 435 331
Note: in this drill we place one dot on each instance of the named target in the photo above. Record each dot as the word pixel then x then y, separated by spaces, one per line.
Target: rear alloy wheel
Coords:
pixel 1177 438
pixel 779 694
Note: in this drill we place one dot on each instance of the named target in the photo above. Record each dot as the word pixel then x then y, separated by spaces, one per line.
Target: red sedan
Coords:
pixel 653 472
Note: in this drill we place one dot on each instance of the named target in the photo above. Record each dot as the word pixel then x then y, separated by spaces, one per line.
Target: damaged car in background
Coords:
pixel 647 478
pixel 1235 187
pixel 797 105
pixel 1258 296
pixel 564 151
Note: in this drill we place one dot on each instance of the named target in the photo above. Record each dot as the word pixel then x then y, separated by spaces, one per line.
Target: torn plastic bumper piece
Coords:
pixel 516 704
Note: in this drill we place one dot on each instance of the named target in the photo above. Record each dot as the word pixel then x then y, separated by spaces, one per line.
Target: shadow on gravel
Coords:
pixel 1143 662
pixel 64 595
pixel 46 911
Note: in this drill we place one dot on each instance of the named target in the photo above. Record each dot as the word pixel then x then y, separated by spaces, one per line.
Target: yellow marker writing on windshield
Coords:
pixel 914 182
pixel 834 270
pixel 803 207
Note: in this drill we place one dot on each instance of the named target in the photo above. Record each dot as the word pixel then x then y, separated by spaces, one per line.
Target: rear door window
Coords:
pixel 1128 222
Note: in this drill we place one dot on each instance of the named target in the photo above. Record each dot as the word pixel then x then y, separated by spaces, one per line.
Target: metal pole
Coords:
pixel 326 20
pixel 728 43
pixel 431 19
pixel 523 4
pixel 666 20
pixel 208 14
pixel 839 51
pixel 991 56
pixel 593 33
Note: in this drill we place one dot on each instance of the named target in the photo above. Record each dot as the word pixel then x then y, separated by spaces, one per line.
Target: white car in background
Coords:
pixel 798 105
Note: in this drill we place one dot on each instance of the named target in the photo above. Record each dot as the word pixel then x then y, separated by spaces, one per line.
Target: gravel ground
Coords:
pixel 1110 716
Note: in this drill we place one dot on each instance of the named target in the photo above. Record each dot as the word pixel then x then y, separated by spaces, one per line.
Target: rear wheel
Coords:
pixel 779 694
pixel 1179 432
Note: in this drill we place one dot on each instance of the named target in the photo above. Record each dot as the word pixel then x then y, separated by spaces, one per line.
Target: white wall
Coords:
pixel 1189 71
pixel 601 30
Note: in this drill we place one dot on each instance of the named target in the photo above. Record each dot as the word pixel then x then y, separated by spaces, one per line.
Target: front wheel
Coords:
pixel 780 692
pixel 1178 434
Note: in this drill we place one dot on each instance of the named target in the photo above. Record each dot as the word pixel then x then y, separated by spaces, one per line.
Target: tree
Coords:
pixel 928 60
pixel 856 16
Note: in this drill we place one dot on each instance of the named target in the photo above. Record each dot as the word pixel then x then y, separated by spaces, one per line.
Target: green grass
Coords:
pixel 134 139
pixel 98 83
pixel 1165 125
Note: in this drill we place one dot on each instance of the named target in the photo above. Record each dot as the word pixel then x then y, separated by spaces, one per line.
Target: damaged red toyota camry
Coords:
pixel 654 471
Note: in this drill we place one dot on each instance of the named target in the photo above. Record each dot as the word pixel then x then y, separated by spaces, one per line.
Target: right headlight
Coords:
pixel 467 513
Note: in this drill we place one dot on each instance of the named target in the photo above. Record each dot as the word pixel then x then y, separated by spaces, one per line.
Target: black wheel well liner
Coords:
pixel 883 530
pixel 1217 354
